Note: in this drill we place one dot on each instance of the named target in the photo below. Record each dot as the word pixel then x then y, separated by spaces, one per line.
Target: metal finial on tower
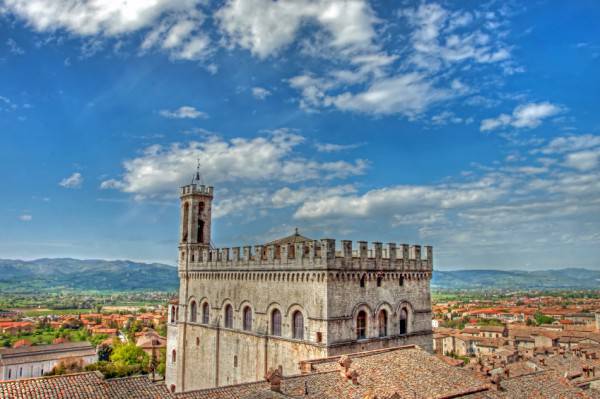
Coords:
pixel 296 232
pixel 196 177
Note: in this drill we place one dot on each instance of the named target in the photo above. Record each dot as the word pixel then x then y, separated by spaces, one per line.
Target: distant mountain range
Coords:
pixel 85 275
pixel 47 275
pixel 572 278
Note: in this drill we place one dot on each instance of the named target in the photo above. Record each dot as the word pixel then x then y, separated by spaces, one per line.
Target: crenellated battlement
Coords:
pixel 196 189
pixel 312 254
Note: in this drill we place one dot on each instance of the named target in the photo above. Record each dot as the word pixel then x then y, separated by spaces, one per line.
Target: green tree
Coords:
pixel 104 351
pixel 162 362
pixel 541 318
pixel 130 355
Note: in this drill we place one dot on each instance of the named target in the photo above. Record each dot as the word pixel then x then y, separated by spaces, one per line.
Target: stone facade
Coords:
pixel 242 311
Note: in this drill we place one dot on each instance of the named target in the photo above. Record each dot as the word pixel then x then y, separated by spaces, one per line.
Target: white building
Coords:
pixel 34 361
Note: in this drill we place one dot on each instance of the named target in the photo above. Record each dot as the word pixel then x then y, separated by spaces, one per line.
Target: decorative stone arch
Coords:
pixel 292 310
pixel 191 314
pixel 383 316
pixel 273 328
pixel 409 317
pixel 362 328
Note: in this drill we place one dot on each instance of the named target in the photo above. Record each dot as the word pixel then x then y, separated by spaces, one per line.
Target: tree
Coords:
pixel 104 351
pixel 129 354
pixel 67 366
pixel 162 362
pixel 541 318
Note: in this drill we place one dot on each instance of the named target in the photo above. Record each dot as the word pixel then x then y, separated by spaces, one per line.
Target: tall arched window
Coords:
pixel 247 319
pixel 276 322
pixel 228 316
pixel 173 356
pixel 184 225
pixel 205 313
pixel 379 280
pixel 362 281
pixel 172 314
pixel 298 325
pixel 382 318
pixel 403 321
pixel 193 311
pixel 361 325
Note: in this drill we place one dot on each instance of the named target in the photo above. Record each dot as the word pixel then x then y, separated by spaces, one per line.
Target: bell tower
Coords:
pixel 196 205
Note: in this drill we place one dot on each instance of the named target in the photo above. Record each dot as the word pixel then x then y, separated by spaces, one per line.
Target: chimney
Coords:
pixel 354 377
pixel 345 363
pixel 274 377
pixel 496 381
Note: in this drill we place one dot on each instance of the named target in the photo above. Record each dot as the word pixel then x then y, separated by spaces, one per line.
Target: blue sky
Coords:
pixel 469 126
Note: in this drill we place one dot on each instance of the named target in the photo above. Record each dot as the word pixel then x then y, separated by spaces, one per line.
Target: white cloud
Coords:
pixel 583 160
pixel 524 116
pixel 393 201
pixel 73 181
pixel 14 47
pixel 408 94
pixel 265 27
pixel 183 112
pixel 260 93
pixel 437 40
pixel 570 143
pixel 240 161
pixel 26 217
pixel 94 17
pixel 331 147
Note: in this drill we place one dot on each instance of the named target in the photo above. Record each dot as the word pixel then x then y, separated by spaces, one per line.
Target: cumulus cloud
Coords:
pixel 175 26
pixel 265 27
pixel 247 161
pixel 524 116
pixel 25 217
pixel 260 93
pixel 183 112
pixel 93 17
pixel 73 181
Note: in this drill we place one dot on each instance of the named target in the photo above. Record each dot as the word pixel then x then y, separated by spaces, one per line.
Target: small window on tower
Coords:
pixel 362 281
pixel 319 336
pixel 379 280
pixel 234 361
pixel 401 281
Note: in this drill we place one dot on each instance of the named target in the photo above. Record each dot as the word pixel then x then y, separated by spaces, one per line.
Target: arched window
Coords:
pixel 172 314
pixel 9 373
pixel 228 316
pixel 173 388
pixel 276 322
pixel 184 225
pixel 247 319
pixel 382 318
pixel 298 325
pixel 379 280
pixel 173 356
pixel 361 325
pixel 362 281
pixel 205 313
pixel 401 281
pixel 403 321
pixel 193 311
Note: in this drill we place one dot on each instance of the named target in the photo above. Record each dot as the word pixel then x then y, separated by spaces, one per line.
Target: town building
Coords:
pixel 243 311
pixel 34 360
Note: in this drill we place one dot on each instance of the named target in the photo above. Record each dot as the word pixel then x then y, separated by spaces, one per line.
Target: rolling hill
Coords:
pixel 48 275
